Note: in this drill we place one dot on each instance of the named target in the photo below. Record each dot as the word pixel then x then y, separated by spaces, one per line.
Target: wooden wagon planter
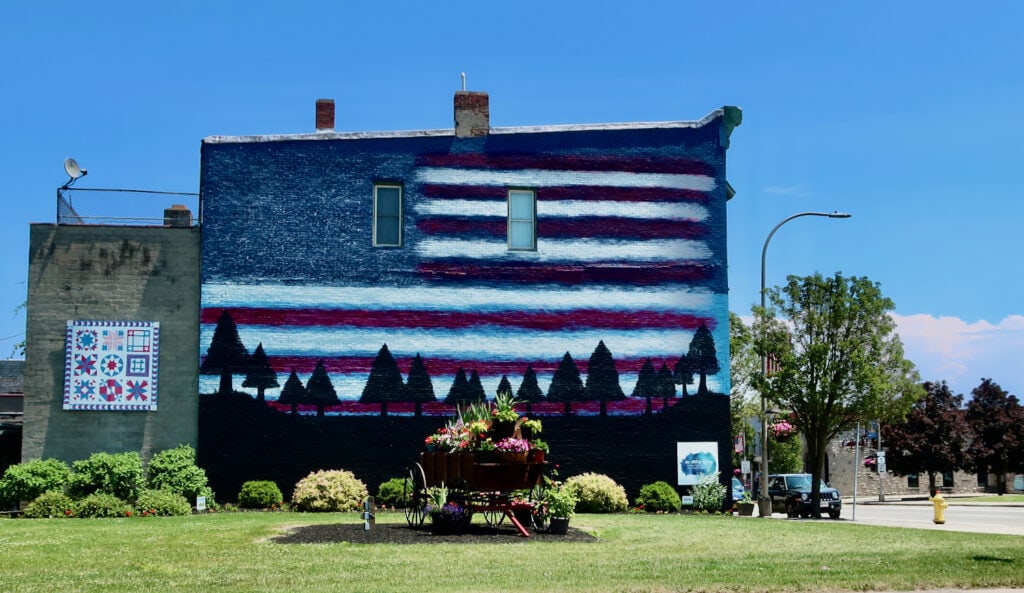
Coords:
pixel 488 487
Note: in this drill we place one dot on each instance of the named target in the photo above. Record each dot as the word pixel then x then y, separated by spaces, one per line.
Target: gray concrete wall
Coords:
pixel 115 273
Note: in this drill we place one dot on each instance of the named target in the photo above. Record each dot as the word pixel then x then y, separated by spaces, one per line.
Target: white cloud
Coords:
pixel 962 353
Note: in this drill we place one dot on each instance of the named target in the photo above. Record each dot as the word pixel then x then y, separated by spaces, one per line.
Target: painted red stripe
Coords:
pixel 535 320
pixel 581 192
pixel 641 274
pixel 634 164
pixel 438 367
pixel 568 228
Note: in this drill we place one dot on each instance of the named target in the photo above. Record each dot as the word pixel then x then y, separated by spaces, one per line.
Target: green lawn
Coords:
pixel 991 499
pixel 231 552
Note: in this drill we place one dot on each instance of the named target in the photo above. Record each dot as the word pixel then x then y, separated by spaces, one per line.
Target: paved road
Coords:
pixel 973 517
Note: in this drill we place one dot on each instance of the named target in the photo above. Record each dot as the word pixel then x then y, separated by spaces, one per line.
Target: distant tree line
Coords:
pixel 227 356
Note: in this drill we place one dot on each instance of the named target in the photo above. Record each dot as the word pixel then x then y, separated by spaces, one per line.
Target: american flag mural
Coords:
pixel 630 251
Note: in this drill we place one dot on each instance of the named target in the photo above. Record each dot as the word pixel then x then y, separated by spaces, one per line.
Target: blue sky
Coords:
pixel 908 115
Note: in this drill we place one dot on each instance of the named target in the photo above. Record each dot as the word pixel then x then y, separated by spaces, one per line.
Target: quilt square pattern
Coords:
pixel 111 365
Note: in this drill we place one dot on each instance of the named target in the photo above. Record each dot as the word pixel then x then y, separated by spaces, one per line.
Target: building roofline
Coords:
pixel 732 116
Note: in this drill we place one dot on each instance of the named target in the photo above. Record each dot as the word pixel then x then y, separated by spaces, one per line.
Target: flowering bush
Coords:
pixel 708 493
pixel 597 493
pixel 782 429
pixel 451 511
pixel 328 491
pixel 512 445
pixel 450 438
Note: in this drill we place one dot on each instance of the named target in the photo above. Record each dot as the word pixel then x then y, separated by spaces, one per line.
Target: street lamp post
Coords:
pixel 764 502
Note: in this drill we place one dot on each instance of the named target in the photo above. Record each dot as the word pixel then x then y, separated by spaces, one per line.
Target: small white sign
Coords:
pixel 687 501
pixel 745 466
pixel 200 503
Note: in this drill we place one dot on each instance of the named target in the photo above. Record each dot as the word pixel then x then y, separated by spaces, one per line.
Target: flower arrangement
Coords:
pixel 450 438
pixel 512 445
pixel 782 429
pixel 504 407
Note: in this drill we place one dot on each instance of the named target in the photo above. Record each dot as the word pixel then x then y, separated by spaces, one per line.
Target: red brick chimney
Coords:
pixel 325 115
pixel 472 114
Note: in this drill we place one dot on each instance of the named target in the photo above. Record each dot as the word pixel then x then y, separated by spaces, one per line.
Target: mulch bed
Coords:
pixel 401 533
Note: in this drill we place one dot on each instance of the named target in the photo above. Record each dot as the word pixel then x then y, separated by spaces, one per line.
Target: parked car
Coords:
pixel 737 489
pixel 791 494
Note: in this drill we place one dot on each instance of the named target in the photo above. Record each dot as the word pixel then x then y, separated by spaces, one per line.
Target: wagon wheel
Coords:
pixel 415 492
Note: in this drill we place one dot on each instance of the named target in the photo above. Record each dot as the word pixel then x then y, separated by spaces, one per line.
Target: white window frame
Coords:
pixel 376 216
pixel 520 222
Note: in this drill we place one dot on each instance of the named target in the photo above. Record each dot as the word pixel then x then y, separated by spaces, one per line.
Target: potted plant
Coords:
pixel 560 505
pixel 512 450
pixel 446 516
pixel 504 416
pixel 538 450
pixel 530 428
pixel 745 506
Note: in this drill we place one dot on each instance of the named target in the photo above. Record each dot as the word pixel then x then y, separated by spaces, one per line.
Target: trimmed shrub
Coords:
pixel 27 481
pixel 176 470
pixel 659 497
pixel 394 493
pixel 162 503
pixel 52 504
pixel 708 494
pixel 325 491
pixel 597 493
pixel 118 474
pixel 259 494
pixel 102 505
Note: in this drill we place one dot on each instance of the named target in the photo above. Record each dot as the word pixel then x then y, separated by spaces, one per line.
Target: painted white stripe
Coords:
pixel 569 250
pixel 279 296
pixel 567 208
pixel 543 177
pixel 470 344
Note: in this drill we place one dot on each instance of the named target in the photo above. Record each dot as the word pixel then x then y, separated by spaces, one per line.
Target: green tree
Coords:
pixel 566 385
pixel 743 400
pixel 840 360
pixel 933 437
pixel 260 374
pixel 997 425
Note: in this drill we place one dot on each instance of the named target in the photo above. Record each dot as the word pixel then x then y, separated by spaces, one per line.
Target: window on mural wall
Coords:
pixel 522 219
pixel 387 215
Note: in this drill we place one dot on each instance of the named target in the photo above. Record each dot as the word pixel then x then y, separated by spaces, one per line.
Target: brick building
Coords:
pixel 581 263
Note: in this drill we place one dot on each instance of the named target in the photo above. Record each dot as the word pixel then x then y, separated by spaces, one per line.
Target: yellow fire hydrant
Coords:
pixel 940 507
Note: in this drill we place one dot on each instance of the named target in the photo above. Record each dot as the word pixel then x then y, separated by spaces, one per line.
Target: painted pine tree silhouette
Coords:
pixel 458 393
pixel 646 383
pixel 666 385
pixel 293 392
pixel 475 389
pixel 504 386
pixel 319 389
pixel 703 358
pixel 603 378
pixel 529 390
pixel 260 374
pixel 385 381
pixel 683 373
pixel 566 385
pixel 419 388
pixel 226 355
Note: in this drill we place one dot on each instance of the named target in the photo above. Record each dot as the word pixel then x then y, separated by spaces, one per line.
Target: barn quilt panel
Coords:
pixel 111 365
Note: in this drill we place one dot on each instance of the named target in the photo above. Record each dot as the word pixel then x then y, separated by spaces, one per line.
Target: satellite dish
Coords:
pixel 72 168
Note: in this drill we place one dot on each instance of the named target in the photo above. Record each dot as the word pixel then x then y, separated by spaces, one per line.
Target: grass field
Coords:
pixel 635 553
pixel 991 499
